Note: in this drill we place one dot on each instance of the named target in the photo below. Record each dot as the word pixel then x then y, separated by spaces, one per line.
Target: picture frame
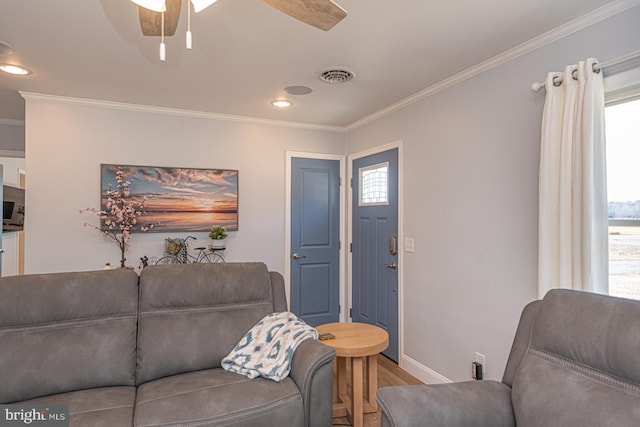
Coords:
pixel 178 199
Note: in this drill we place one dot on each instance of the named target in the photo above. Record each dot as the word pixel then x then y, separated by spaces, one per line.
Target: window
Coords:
pixel 374 185
pixel 623 192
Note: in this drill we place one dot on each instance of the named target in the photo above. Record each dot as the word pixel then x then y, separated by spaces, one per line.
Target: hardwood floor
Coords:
pixel 389 374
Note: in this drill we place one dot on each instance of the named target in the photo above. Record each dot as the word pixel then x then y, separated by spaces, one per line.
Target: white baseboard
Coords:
pixel 421 372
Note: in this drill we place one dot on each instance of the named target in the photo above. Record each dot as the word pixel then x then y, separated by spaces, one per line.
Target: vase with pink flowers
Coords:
pixel 120 215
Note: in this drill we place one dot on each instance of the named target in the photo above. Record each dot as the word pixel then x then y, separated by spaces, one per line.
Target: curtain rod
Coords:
pixel 537 87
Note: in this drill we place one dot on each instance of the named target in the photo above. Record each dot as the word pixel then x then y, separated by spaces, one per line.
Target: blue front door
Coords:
pixel 315 240
pixel 375 244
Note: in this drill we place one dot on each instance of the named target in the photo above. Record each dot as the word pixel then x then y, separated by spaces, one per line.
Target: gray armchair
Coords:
pixel 575 361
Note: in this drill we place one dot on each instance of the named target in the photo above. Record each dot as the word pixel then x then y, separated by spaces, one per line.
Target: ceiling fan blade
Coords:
pixel 322 14
pixel 155 5
pixel 151 22
pixel 200 5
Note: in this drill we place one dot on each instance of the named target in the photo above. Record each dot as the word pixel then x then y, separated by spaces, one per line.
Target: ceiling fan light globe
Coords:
pixel 199 5
pixel 155 5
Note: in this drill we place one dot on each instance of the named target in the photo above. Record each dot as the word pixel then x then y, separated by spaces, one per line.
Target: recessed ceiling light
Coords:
pixel 281 103
pixel 14 69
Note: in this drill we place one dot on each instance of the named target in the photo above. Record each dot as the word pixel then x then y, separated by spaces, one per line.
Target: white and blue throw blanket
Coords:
pixel 267 349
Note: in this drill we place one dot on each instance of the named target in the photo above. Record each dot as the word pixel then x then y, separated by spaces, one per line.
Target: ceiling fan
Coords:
pixel 321 14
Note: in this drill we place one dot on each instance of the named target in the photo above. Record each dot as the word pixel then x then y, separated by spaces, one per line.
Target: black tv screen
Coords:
pixel 7 209
pixel 12 201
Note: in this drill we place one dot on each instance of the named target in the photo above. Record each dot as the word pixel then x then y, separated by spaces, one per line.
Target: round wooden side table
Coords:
pixel 355 342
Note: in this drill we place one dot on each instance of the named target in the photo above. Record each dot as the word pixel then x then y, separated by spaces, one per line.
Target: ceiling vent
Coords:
pixel 335 75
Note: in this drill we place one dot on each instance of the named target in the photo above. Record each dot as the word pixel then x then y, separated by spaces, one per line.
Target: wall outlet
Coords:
pixel 481 360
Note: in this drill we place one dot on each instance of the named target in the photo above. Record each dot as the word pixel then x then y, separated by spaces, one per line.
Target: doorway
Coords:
pixel 375 250
pixel 315 229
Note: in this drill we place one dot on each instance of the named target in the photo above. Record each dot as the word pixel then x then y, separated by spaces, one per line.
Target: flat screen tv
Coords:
pixel 12 208
pixel 7 209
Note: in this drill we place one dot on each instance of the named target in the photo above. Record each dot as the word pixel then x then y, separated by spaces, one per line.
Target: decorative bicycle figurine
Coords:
pixel 176 252
pixel 144 262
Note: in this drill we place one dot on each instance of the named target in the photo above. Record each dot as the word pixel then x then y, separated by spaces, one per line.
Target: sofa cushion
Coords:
pixel 67 331
pixel 98 407
pixel 215 397
pixel 191 316
pixel 581 367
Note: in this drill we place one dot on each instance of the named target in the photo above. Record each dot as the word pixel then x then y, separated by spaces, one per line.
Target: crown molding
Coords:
pixel 11 122
pixel 613 8
pixel 551 36
pixel 12 153
pixel 178 112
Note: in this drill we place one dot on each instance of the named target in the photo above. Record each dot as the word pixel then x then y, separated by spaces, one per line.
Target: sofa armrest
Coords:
pixel 521 341
pixel 470 403
pixel 312 371
pixel 279 296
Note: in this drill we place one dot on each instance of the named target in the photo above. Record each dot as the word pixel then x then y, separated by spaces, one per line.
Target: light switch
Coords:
pixel 408 244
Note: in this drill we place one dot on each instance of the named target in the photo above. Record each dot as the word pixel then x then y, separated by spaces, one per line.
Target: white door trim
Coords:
pixel 287 223
pixel 350 159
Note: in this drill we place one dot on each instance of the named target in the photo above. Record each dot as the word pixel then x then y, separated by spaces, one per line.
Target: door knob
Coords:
pixel 298 256
pixel 392 266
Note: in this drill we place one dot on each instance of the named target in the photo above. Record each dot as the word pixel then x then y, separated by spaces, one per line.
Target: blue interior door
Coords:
pixel 375 244
pixel 315 240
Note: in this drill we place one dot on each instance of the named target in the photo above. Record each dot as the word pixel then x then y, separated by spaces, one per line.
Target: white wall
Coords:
pixel 66 142
pixel 11 138
pixel 10 170
pixel 470 184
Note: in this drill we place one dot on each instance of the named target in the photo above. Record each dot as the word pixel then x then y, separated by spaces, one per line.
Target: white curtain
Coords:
pixel 572 229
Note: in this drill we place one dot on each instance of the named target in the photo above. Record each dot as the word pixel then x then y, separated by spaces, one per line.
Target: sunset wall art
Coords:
pixel 179 199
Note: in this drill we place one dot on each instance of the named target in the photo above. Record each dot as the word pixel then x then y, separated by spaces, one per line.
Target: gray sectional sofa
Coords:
pixel 123 350
pixel 575 362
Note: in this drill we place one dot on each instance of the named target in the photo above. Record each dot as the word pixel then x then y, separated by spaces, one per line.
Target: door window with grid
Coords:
pixel 374 185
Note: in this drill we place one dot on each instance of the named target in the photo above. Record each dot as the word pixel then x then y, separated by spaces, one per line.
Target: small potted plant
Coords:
pixel 218 233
